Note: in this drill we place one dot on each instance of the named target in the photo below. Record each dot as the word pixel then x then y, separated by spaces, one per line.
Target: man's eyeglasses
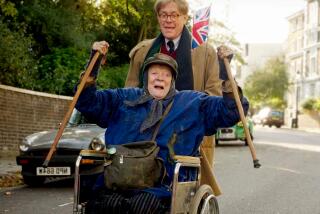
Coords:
pixel 164 16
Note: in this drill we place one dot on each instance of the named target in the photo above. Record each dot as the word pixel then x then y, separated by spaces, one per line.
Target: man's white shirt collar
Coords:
pixel 175 42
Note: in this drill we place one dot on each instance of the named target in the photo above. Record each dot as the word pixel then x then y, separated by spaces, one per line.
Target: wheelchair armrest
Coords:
pixel 186 159
pixel 93 154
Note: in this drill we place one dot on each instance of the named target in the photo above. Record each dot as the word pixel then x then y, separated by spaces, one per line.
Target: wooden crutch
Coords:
pixel 256 163
pixel 71 107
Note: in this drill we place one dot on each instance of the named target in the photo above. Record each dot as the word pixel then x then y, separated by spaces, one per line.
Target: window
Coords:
pixel 300 43
pixel 318 62
pixel 313 65
pixel 239 74
pixel 298 67
pixel 312 89
pixel 247 50
pixel 306 74
pixel 312 13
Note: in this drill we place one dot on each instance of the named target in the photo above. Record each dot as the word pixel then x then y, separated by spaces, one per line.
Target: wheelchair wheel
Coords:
pixel 204 201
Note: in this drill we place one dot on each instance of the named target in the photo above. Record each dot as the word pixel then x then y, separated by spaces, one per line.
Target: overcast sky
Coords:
pixel 255 21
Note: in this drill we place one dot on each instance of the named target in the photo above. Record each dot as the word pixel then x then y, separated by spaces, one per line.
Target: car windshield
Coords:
pixel 277 114
pixel 76 118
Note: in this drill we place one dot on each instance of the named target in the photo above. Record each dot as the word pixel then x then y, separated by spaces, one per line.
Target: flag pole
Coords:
pixel 207 176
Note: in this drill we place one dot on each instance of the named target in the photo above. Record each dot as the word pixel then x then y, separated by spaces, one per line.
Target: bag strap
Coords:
pixel 161 119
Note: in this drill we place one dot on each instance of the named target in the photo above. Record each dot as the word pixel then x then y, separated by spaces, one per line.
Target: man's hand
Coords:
pixel 101 46
pixel 224 52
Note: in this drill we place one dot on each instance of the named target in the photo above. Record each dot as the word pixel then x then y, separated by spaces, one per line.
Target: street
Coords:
pixel 52 198
pixel 287 182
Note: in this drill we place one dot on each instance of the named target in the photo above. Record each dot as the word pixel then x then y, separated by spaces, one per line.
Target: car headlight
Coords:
pixel 24 145
pixel 97 144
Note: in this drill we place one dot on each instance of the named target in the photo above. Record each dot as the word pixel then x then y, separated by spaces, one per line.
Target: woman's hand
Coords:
pixel 225 52
pixel 101 46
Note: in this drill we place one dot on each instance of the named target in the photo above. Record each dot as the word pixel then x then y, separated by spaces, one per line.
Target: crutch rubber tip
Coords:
pixel 256 163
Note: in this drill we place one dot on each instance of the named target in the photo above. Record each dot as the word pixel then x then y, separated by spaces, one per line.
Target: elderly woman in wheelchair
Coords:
pixel 153 135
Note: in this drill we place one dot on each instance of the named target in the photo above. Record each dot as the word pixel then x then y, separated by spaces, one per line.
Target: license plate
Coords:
pixel 226 135
pixel 56 171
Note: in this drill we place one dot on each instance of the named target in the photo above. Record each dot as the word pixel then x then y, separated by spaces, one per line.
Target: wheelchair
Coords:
pixel 187 197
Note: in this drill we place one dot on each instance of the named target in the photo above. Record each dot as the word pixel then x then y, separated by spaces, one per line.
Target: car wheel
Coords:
pixel 217 142
pixel 278 126
pixel 33 180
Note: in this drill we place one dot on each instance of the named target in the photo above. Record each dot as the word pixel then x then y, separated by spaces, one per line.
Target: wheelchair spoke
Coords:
pixel 204 202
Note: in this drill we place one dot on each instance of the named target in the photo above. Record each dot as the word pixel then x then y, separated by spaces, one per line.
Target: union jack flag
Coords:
pixel 200 29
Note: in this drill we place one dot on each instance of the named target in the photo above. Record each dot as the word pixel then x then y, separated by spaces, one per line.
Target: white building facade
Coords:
pixel 303 58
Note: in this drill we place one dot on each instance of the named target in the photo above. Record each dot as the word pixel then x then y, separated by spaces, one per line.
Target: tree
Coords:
pixel 17 63
pixel 46 43
pixel 59 71
pixel 267 86
pixel 222 35
pixel 127 22
pixel 55 23
pixel 43 43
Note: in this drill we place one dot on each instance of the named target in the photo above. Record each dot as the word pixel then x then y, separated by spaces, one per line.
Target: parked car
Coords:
pixel 269 117
pixel 273 118
pixel 235 132
pixel 79 134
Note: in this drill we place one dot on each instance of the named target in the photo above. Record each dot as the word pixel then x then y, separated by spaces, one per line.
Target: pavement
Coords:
pixel 10 174
pixel 306 129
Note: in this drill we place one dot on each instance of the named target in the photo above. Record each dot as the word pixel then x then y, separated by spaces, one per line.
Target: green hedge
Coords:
pixel 312 104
